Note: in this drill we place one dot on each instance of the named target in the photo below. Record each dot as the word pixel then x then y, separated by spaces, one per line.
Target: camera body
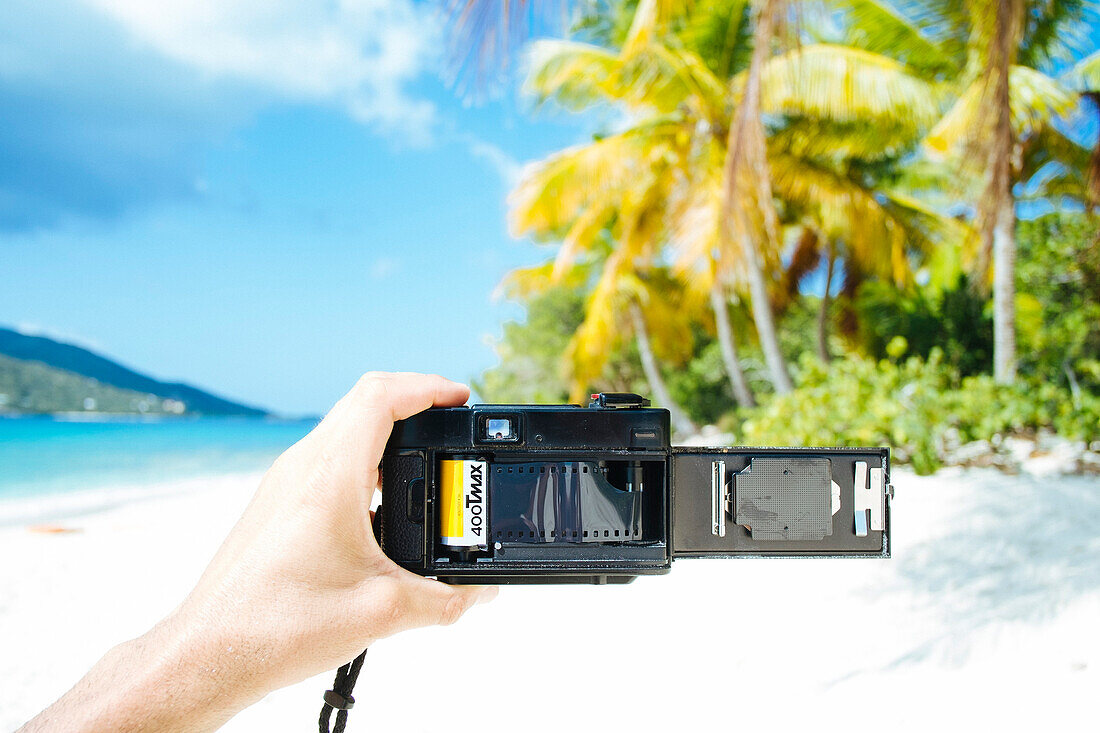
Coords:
pixel 493 494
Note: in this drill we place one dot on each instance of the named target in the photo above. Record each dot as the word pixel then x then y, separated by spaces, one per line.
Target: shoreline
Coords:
pixel 78 416
pixel 22 510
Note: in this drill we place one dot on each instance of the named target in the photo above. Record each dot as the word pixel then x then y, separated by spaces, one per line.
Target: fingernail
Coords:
pixel 487 594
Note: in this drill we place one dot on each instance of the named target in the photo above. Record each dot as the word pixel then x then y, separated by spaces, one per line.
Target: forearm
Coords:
pixel 299 587
pixel 169 679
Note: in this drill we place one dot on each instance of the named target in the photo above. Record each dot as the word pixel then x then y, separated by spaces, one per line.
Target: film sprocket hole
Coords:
pixel 494 494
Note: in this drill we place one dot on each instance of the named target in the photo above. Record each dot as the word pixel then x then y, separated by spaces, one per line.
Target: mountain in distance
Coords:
pixel 41 375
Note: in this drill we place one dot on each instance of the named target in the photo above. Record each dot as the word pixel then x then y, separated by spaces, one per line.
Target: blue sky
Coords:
pixel 264 198
pixel 261 197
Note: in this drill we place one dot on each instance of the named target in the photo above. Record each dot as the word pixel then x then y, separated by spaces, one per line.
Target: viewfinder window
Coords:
pixel 499 428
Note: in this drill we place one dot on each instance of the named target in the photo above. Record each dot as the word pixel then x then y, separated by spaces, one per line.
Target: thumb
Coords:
pixel 423 602
pixel 443 604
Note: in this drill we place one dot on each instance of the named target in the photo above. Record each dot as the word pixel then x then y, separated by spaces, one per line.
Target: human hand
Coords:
pixel 299 586
pixel 300 580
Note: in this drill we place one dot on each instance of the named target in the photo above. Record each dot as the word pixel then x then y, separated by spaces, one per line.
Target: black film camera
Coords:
pixel 565 494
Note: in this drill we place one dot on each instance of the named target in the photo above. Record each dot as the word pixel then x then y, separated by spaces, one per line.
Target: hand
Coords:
pixel 299 587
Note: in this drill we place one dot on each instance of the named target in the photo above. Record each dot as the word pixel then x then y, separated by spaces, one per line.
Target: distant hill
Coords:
pixel 44 375
pixel 30 387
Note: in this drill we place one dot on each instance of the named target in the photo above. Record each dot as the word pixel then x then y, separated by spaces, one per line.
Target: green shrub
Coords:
pixel 955 321
pixel 1058 306
pixel 701 387
pixel 532 369
pixel 909 406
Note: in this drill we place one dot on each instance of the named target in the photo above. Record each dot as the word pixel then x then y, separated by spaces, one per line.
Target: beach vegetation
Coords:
pixel 788 205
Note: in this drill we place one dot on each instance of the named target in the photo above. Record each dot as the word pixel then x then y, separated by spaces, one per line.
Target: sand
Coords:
pixel 987 615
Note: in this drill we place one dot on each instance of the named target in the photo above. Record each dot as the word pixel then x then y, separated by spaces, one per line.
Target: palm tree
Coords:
pixel 1001 129
pixel 644 76
pixel 669 76
pixel 750 211
pixel 989 53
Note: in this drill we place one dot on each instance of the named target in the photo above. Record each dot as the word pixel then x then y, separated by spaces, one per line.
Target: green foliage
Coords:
pixel 720 31
pixel 878 128
pixel 532 367
pixel 33 387
pixel 910 405
pixel 907 401
pixel 1058 278
pixel 702 387
pixel 954 321
pixel 798 327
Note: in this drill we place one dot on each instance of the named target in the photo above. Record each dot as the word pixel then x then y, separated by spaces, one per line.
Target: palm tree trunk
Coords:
pixel 728 344
pixel 1004 291
pixel 997 211
pixel 746 156
pixel 823 314
pixel 680 421
pixel 765 324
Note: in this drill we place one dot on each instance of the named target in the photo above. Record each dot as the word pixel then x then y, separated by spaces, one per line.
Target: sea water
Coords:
pixel 55 467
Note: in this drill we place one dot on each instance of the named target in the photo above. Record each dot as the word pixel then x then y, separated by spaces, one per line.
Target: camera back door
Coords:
pixel 780 502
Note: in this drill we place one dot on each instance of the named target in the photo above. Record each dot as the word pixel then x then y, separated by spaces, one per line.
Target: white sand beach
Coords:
pixel 988 616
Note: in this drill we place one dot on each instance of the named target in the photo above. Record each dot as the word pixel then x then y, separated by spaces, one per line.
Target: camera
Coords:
pixel 494 494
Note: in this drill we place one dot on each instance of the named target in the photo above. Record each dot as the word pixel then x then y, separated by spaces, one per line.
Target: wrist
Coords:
pixel 179 676
pixel 204 673
pixel 159 681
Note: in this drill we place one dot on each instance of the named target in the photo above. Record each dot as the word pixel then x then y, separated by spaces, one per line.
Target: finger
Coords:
pixel 411 393
pixel 358 426
pixel 380 400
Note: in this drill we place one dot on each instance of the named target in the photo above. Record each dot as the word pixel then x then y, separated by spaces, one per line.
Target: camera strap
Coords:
pixel 339 697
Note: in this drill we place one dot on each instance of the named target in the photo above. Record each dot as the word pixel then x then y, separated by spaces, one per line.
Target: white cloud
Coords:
pixel 360 54
pixel 507 167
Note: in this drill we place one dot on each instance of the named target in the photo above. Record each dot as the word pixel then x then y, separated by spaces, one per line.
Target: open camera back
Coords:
pixel 563 493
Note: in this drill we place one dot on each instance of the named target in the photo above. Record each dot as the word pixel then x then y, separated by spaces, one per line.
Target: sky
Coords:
pixel 264 198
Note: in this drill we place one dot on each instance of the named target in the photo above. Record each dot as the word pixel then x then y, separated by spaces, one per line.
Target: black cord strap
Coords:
pixel 339 697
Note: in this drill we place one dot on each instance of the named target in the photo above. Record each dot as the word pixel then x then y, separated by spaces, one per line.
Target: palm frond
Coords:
pixel 1084 76
pixel 1055 167
pixel 720 33
pixel 575 75
pixel 880 27
pixel 1055 32
pixel 526 282
pixel 880 231
pixel 1035 99
pixel 846 84
pixel 654 77
pixel 869 140
pixel 553 193
pixel 485 37
pixel 599 333
pixel 645 26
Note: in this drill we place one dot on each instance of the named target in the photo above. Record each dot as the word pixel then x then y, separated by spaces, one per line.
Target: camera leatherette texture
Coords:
pixel 402 538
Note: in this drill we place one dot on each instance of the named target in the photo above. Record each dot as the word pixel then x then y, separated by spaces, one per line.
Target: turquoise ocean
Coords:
pixel 52 468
